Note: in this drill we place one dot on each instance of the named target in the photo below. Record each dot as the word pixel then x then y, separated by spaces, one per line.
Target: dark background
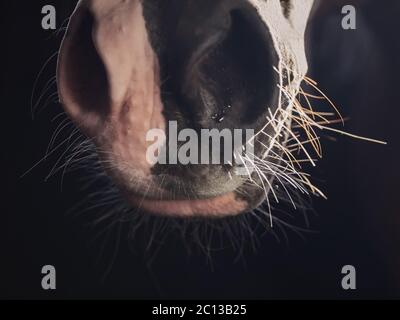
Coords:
pixel 358 225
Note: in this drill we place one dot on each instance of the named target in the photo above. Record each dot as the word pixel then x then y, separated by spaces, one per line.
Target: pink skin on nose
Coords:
pixel 215 207
pixel 133 73
pixel 120 39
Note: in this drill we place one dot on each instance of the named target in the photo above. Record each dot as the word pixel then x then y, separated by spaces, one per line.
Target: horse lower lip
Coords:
pixel 225 205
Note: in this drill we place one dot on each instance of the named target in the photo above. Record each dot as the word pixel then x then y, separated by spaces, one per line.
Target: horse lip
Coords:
pixel 212 207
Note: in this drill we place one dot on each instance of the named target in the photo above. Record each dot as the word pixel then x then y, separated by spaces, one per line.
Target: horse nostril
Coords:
pixel 221 67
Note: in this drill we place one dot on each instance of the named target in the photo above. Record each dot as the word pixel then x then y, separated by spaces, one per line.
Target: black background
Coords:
pixel 358 225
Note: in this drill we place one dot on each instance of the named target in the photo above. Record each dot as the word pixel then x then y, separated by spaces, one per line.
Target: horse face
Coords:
pixel 127 67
